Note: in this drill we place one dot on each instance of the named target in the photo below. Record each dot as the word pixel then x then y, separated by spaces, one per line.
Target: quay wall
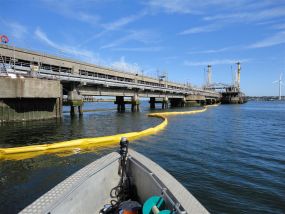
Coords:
pixel 24 99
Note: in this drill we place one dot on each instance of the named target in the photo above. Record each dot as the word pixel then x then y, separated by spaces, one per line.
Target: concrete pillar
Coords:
pixel 192 103
pixel 72 110
pixel 152 102
pixel 183 104
pixel 75 100
pixel 120 103
pixel 80 110
pixel 135 103
pixel 177 102
pixel 165 103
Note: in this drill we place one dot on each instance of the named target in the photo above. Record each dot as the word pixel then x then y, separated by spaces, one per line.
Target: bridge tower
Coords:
pixel 209 75
pixel 238 74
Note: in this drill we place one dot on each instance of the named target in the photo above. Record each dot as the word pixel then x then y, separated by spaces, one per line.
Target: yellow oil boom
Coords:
pixel 86 144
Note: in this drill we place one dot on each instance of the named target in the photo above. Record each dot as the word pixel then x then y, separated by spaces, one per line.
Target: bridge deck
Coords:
pixel 26 62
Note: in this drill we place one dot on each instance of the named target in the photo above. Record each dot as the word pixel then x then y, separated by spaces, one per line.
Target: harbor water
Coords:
pixel 231 157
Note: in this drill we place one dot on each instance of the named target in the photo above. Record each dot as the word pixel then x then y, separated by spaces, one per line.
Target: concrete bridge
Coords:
pixel 76 79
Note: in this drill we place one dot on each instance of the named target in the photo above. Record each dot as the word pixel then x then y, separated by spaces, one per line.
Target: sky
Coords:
pixel 177 37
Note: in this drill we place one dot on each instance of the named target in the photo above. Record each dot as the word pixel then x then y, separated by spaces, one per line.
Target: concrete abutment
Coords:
pixel 25 99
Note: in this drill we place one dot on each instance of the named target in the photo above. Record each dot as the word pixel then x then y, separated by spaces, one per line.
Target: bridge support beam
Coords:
pixel 208 101
pixel 211 101
pixel 165 103
pixel 135 103
pixel 120 103
pixel 177 102
pixel 152 102
pixel 202 102
pixel 75 100
pixel 192 103
pixel 76 104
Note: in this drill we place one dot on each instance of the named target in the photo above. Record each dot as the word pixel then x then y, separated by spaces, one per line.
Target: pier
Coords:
pixel 46 78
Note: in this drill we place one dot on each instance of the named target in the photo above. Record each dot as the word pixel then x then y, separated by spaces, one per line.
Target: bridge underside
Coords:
pixel 100 91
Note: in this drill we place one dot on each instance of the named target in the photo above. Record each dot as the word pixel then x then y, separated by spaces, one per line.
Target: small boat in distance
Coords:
pixel 120 182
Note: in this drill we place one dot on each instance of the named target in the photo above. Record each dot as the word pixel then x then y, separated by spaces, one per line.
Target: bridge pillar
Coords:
pixel 72 110
pixel 120 103
pixel 75 100
pixel 165 103
pixel 135 103
pixel 208 102
pixel 184 102
pixel 152 102
pixel 177 102
pixel 192 103
pixel 202 102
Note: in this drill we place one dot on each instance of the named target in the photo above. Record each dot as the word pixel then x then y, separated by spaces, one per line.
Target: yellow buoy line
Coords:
pixel 85 144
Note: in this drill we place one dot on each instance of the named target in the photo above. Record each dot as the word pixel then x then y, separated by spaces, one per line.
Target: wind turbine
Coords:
pixel 280 85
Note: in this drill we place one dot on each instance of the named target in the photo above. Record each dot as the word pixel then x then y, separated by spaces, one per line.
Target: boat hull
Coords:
pixel 88 190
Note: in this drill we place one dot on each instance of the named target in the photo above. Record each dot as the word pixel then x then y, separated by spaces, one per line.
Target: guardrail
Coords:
pixel 62 75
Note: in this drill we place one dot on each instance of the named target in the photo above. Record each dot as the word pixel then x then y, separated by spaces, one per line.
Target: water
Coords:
pixel 231 157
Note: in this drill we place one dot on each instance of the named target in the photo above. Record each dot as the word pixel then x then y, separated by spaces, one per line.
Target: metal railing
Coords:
pixel 64 74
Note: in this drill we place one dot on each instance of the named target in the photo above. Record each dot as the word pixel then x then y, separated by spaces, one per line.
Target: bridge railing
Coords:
pixel 53 72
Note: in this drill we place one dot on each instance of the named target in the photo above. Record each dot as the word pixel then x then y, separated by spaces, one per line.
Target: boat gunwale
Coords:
pixel 164 190
pixel 186 200
pixel 56 195
pixel 69 185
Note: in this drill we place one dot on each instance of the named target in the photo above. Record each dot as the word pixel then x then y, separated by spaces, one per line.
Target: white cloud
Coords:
pixel 277 39
pixel 142 36
pixel 88 18
pixel 124 66
pixel 250 16
pixel 194 7
pixel 210 51
pixel 123 21
pixel 115 25
pixel 87 55
pixel 83 54
pixel 214 62
pixel 15 29
pixel 74 9
pixel 222 20
pixel 279 26
pixel 139 49
pixel 201 29
pixel 172 6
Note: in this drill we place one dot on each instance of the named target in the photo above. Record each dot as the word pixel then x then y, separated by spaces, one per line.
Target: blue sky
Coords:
pixel 175 36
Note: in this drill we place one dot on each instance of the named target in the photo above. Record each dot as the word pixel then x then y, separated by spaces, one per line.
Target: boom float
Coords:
pixel 85 144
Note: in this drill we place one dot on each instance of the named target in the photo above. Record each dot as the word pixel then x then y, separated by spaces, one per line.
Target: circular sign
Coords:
pixel 4 39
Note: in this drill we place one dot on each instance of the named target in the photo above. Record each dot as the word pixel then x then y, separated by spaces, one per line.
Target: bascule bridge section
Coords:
pixel 230 93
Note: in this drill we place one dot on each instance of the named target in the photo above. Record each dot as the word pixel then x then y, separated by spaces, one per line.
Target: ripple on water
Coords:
pixel 232 157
